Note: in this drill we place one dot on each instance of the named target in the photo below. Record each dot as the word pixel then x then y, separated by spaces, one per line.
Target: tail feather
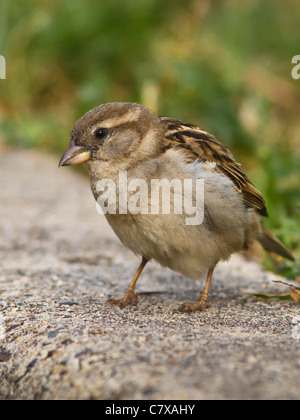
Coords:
pixel 272 244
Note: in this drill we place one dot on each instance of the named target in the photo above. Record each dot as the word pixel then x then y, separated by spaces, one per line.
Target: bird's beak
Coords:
pixel 74 155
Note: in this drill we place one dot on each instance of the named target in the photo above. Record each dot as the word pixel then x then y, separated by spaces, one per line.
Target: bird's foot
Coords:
pixel 129 298
pixel 201 305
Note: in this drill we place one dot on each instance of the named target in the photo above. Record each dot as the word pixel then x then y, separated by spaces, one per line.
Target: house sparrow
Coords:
pixel 128 137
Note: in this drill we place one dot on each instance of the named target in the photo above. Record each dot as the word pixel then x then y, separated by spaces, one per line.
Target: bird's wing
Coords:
pixel 197 144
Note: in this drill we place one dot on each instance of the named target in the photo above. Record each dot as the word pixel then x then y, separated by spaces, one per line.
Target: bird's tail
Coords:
pixel 272 244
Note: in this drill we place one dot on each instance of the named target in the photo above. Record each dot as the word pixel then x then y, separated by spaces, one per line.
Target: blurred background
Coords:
pixel 224 65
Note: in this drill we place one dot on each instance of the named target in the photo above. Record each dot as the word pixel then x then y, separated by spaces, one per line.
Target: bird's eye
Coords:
pixel 100 133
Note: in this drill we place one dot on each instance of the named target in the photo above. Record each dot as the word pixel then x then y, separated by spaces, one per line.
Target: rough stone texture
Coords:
pixel 60 262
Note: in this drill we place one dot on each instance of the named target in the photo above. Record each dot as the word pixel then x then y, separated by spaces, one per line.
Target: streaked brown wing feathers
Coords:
pixel 197 144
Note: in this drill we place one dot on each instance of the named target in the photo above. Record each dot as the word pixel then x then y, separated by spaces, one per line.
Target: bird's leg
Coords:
pixel 201 304
pixel 130 297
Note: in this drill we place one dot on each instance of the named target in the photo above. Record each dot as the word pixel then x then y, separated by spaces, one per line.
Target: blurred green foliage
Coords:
pixel 225 65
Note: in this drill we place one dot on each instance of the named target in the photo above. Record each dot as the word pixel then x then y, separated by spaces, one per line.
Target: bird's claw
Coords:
pixel 193 307
pixel 130 298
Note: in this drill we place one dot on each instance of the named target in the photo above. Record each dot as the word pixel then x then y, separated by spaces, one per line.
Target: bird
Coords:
pixel 128 138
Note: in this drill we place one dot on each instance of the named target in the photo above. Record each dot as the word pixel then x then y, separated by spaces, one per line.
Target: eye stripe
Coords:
pixel 130 117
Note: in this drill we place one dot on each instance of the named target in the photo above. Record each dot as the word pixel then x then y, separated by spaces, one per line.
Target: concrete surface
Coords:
pixel 59 263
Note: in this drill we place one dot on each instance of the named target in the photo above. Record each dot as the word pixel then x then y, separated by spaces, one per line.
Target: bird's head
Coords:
pixel 113 133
